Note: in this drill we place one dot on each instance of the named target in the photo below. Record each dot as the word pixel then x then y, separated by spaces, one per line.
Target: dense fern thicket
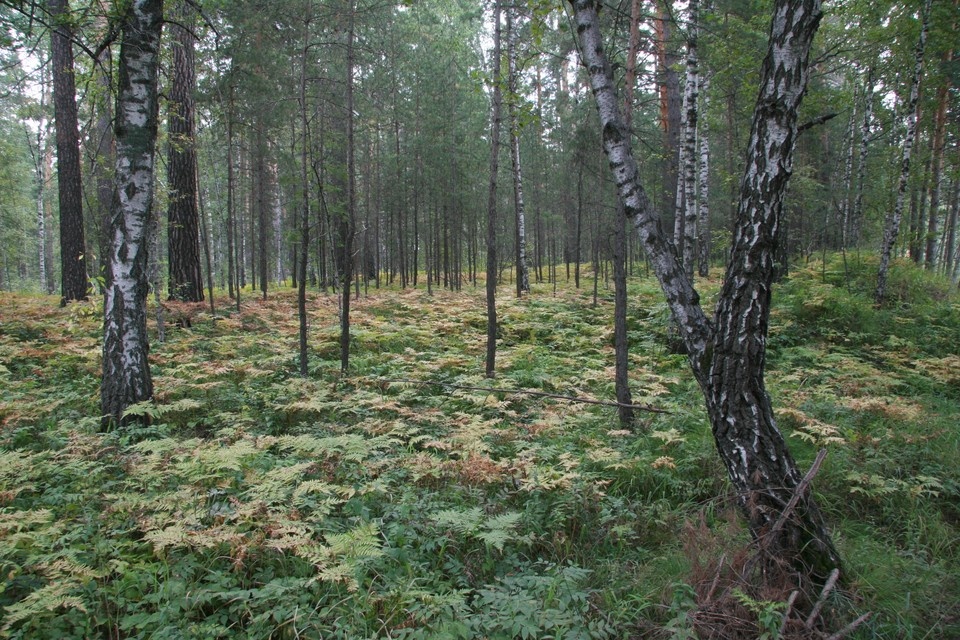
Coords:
pixel 255 503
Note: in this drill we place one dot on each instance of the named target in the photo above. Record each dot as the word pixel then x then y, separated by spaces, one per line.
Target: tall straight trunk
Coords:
pixel 492 200
pixel 892 227
pixel 939 136
pixel 106 155
pixel 305 195
pixel 727 356
pixel 845 206
pixel 856 223
pixel 73 260
pixel 126 371
pixel 261 200
pixel 523 276
pixel 621 346
pixel 185 280
pixel 918 211
pixel 232 279
pixel 670 99
pixel 951 240
pixel 346 222
pixel 703 198
pixel 689 127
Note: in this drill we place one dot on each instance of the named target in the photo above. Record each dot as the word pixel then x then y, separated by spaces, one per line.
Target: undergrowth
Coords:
pixel 253 503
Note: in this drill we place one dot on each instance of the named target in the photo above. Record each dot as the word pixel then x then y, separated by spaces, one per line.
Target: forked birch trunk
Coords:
pixel 690 116
pixel 703 198
pixel 126 371
pixel 892 227
pixel 727 356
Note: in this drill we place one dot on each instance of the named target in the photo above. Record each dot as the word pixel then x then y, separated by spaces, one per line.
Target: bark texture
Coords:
pixel 183 218
pixel 126 371
pixel 523 275
pixel 492 200
pixel 73 259
pixel 892 227
pixel 703 199
pixel 727 356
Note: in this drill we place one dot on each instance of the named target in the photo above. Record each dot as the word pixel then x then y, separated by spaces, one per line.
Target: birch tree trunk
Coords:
pixel 185 280
pixel 892 227
pixel 492 200
pixel 703 198
pixel 857 213
pixel 689 144
pixel 939 136
pixel 727 356
pixel 73 260
pixel 126 371
pixel 845 206
pixel 523 276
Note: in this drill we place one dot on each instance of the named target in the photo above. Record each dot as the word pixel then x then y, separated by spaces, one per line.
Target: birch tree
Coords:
pixel 523 276
pixel 727 354
pixel 126 371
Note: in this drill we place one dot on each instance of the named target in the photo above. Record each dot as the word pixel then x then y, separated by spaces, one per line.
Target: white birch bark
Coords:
pixel 857 213
pixel 690 116
pixel 126 371
pixel 703 197
pixel 845 207
pixel 892 227
pixel 523 276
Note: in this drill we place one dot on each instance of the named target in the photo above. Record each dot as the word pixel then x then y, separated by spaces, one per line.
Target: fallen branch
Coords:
pixel 798 493
pixel 850 628
pixel 529 392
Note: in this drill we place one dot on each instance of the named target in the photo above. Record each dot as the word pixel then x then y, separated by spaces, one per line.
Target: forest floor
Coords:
pixel 391 504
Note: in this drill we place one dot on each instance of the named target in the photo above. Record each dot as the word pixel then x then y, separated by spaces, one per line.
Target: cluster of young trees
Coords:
pixel 344 144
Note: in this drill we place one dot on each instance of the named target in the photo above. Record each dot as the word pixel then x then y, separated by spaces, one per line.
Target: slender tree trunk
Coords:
pixel 892 226
pixel 73 260
pixel 703 199
pixel 939 136
pixel 523 276
pixel 492 200
pixel 727 356
pixel 689 154
pixel 346 225
pixel 845 206
pixel 126 371
pixel 185 280
pixel 670 100
pixel 949 244
pixel 232 279
pixel 106 156
pixel 857 213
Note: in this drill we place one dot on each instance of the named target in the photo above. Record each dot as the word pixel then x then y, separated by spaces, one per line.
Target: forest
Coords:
pixel 512 319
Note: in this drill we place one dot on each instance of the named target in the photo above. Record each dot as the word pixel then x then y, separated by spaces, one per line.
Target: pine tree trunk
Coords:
pixel 73 261
pixel 892 227
pixel 185 281
pixel 126 371
pixel 492 200
pixel 728 357
pixel 345 229
pixel 670 100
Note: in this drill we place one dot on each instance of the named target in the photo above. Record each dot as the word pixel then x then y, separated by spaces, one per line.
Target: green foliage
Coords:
pixel 258 504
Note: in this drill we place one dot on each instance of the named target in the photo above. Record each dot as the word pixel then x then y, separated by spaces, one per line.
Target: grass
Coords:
pixel 259 504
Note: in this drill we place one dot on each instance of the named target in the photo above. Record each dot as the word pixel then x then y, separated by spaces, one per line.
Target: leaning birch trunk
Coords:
pixel 126 371
pixel 727 356
pixel 523 276
pixel 689 166
pixel 892 227
pixel 703 199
